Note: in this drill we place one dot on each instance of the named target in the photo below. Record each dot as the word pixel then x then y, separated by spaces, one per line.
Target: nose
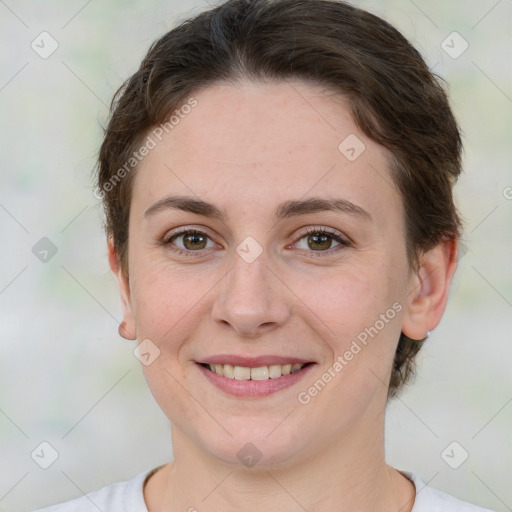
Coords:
pixel 252 300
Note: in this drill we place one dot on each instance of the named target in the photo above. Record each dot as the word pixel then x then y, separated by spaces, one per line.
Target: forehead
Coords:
pixel 262 143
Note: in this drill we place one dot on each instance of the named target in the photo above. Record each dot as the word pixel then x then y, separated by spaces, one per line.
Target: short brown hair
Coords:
pixel 394 99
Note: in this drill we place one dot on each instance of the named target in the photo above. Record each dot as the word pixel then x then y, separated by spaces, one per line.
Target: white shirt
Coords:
pixel 128 497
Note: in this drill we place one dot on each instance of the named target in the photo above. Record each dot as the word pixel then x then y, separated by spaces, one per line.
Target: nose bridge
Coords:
pixel 251 297
pixel 250 274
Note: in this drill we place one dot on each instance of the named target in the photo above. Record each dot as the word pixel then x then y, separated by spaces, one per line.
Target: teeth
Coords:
pixel 229 371
pixel 273 371
pixel 242 373
pixel 260 373
pixel 286 369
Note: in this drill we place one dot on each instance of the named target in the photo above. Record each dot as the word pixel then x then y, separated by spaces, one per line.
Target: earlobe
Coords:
pixel 126 328
pixel 125 332
pixel 429 289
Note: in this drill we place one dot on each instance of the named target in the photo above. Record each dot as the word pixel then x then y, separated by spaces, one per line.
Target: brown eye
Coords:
pixel 320 240
pixel 189 241
pixel 194 241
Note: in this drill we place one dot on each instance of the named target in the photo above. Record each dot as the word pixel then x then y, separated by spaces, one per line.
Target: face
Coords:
pixel 267 274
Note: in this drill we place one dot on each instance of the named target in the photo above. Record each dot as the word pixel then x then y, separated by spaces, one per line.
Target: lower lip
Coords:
pixel 254 388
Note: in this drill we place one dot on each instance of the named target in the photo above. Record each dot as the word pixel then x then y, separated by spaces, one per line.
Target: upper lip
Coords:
pixel 253 362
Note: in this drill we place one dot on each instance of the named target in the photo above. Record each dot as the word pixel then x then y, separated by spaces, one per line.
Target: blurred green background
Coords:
pixel 67 378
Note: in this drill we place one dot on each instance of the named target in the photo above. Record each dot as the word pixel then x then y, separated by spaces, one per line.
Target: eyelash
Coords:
pixel 311 231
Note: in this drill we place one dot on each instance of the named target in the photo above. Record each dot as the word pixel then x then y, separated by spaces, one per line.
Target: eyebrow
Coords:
pixel 284 210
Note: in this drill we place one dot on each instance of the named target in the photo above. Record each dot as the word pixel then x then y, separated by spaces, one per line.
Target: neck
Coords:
pixel 348 474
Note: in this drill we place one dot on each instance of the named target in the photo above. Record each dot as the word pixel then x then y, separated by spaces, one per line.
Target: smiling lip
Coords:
pixel 253 388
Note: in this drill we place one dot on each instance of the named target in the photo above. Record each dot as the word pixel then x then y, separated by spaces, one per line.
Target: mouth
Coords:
pixel 273 371
pixel 253 381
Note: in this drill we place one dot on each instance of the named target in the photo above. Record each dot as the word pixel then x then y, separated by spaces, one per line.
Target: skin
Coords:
pixel 246 148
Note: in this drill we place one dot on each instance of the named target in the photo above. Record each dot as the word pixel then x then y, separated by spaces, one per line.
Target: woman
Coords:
pixel 277 180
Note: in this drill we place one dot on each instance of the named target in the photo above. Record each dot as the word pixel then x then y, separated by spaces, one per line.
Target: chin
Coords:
pixel 254 446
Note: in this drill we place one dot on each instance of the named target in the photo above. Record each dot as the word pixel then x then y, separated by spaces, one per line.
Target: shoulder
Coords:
pixel 125 496
pixel 429 499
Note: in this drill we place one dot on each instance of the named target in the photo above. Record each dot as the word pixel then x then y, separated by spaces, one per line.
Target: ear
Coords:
pixel 429 288
pixel 127 327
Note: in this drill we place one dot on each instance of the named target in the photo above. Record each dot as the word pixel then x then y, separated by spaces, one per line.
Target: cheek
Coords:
pixel 166 305
pixel 175 397
pixel 358 314
pixel 349 300
pixel 164 300
pixel 360 320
